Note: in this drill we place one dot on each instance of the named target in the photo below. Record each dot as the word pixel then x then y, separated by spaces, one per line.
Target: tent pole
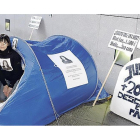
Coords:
pixel 45 82
pixel 106 78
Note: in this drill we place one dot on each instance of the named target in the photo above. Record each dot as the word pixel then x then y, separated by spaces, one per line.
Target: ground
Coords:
pixel 87 115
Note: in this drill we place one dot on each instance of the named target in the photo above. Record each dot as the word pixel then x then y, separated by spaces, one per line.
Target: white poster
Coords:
pixel 71 67
pixel 35 22
pixel 124 41
pixel 14 43
pixel 126 96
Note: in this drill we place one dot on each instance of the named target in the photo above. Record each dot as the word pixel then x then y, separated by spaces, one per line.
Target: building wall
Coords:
pixel 92 31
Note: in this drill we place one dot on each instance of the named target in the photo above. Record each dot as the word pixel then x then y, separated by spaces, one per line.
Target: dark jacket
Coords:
pixel 10 67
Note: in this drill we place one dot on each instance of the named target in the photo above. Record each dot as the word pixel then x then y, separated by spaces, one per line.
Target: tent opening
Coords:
pixel 3 98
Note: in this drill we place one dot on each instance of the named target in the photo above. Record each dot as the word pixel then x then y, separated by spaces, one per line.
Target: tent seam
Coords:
pixel 55 113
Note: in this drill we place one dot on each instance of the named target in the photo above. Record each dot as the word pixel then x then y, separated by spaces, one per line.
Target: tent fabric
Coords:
pixel 41 95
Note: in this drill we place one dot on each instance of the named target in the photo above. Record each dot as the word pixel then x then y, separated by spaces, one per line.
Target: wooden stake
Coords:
pixel 106 78
pixel 31 34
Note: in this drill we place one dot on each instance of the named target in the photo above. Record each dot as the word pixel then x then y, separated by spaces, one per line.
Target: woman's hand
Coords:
pixel 5 89
pixel 9 91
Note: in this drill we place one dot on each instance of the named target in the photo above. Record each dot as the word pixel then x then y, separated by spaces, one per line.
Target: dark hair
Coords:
pixel 5 38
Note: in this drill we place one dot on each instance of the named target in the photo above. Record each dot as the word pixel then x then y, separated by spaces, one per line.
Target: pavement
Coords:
pixel 87 115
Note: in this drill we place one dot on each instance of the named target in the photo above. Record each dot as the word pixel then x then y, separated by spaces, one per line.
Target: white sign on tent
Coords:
pixel 71 67
pixel 126 96
pixel 14 43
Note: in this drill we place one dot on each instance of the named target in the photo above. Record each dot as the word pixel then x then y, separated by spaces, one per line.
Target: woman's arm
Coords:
pixel 17 70
pixel 2 77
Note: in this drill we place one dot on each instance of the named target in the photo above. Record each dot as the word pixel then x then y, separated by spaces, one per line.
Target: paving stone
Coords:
pixel 84 114
pixel 67 120
pixel 98 115
pixel 114 119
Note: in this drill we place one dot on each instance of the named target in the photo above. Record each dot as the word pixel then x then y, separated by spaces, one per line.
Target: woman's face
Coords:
pixel 3 45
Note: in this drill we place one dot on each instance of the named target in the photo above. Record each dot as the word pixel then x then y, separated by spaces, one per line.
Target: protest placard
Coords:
pixel 124 41
pixel 34 23
pixel 126 96
pixel 121 41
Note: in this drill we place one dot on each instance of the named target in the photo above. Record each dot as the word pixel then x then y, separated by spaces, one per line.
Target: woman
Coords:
pixel 9 76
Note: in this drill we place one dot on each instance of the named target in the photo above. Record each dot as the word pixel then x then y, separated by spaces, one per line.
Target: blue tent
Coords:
pixel 41 95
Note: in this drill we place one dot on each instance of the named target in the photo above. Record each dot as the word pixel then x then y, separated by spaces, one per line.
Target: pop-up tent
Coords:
pixel 59 75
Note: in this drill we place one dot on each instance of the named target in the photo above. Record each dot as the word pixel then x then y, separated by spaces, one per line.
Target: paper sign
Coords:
pixel 124 41
pixel 35 22
pixel 71 67
pixel 126 96
pixel 14 43
pixel 138 46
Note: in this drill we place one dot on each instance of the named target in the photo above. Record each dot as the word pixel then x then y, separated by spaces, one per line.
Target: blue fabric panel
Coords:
pixel 30 42
pixel 102 95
